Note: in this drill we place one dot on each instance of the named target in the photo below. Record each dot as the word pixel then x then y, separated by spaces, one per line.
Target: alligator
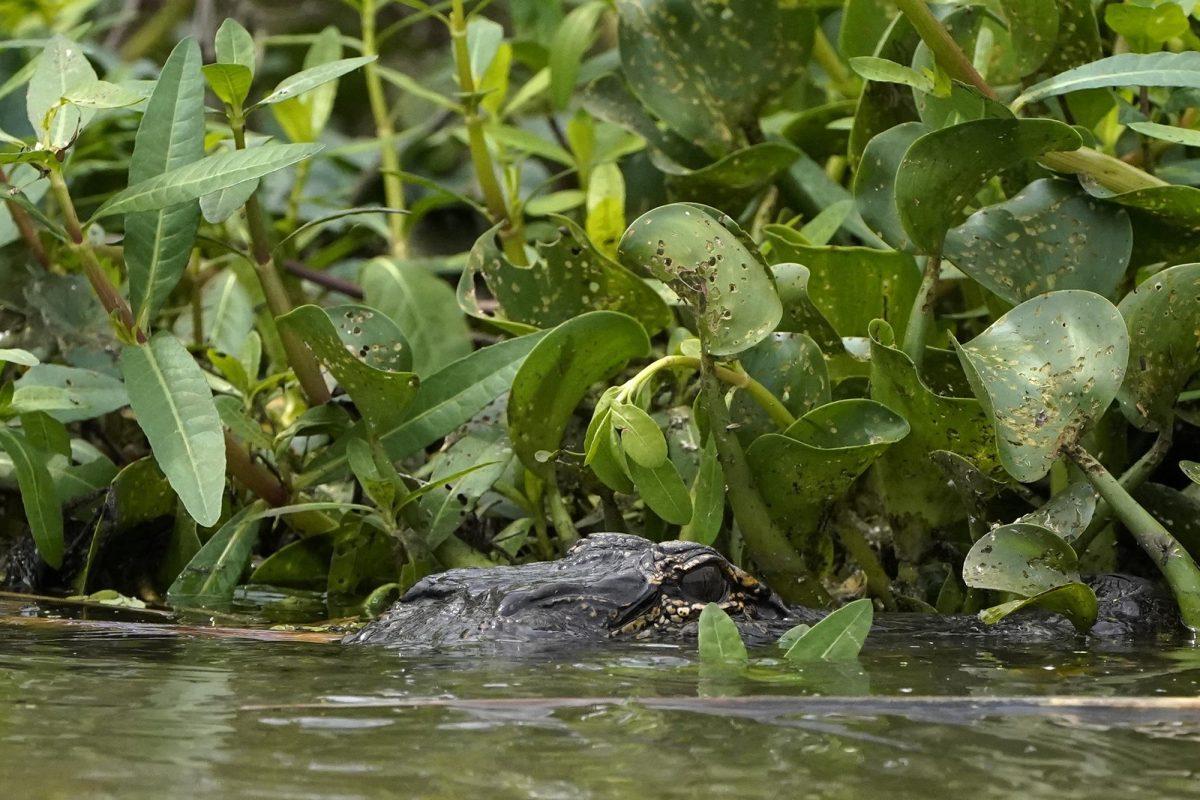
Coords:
pixel 616 585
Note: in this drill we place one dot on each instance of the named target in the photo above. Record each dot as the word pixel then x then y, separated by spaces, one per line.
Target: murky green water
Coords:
pixel 139 713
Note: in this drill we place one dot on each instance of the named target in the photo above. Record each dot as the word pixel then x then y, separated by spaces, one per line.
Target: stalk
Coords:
pixel 299 357
pixel 920 319
pixel 1110 172
pixel 26 228
pixel 1176 563
pixel 761 394
pixel 511 233
pixel 389 160
pixel 564 526
pixel 781 565
pixel 252 475
pixel 1131 479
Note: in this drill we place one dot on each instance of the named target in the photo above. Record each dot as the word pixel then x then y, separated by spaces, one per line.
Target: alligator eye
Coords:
pixel 704 584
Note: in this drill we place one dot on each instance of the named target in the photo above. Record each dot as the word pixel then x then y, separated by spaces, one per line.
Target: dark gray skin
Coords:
pixel 613 585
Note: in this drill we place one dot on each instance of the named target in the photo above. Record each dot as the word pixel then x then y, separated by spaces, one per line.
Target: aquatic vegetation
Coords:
pixel 895 308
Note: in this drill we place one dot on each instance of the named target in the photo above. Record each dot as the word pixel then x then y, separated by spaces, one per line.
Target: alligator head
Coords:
pixel 607 585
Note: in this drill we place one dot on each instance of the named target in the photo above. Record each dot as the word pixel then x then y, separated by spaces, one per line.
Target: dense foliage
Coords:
pixel 906 309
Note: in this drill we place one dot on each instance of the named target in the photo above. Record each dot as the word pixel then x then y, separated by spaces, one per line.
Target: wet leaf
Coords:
pixel 837 637
pixel 209 579
pixel 1068 513
pixel 719 638
pixel 559 371
pixel 942 171
pixel 1022 558
pixel 710 262
pixel 1075 601
pixel 568 277
pixel 38 496
pixel 1049 236
pixel 1044 371
pixel 1163 319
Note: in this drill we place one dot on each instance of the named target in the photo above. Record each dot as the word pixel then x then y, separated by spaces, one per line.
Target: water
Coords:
pixel 142 712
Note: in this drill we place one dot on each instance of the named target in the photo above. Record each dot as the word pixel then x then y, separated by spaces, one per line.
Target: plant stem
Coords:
pixel 860 550
pixel 761 394
pixel 389 160
pixel 1110 172
pixel 512 235
pixel 844 81
pixel 920 319
pixel 26 228
pixel 781 565
pixel 252 475
pixel 299 357
pixel 1131 480
pixel 564 526
pixel 323 279
pixel 1176 563
pixel 112 300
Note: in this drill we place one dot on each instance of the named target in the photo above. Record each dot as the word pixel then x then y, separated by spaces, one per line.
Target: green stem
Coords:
pixel 1131 480
pixel 26 228
pixel 1110 172
pixel 511 233
pixel 299 357
pixel 1176 564
pixel 389 159
pixel 920 319
pixel 564 526
pixel 878 582
pixel 761 394
pixel 779 562
pixel 844 81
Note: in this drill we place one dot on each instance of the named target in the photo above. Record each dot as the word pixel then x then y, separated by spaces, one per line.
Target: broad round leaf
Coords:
pixel 875 182
pixel 719 638
pixel 710 262
pixel 1044 371
pixel 1075 601
pixel 423 306
pixel 1050 236
pixel 730 182
pixel 1021 558
pixel 791 367
pixel 1163 319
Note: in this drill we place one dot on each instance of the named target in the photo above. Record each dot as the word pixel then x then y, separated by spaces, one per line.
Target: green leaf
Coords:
pixel 719 638
pixel 1068 513
pixel 943 170
pixel 171 135
pixel 374 473
pixel 315 107
pixel 800 312
pixel 61 68
pixel 303 564
pixel 791 367
pixel 311 78
pixel 695 249
pixel 222 204
pixel 559 371
pixel 875 182
pixel 88 394
pixel 365 352
pixel 606 208
pixel 641 438
pixel 703 75
pixel 468 469
pixel 1044 371
pixel 15 355
pixel 730 182
pixel 568 277
pixel 425 309
pixel 1125 69
pixel 1146 29
pixel 234 45
pixel 226 314
pixel 1050 236
pixel 38 496
pixel 837 637
pixel 102 94
pixel 211 174
pixel 571 41
pixel 663 490
pixel 864 25
pixel 137 496
pixel 1191 469
pixel 1075 601
pixel 209 579
pixel 174 407
pixel 484 38
pixel 1168 133
pixel 1163 320
pixel 884 71
pixel 1021 558
pixel 708 498
pixel 229 82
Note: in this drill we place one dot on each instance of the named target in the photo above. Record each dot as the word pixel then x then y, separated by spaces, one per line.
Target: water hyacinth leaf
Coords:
pixel 800 312
pixel 568 277
pixel 367 355
pixel 1068 513
pixel 942 171
pixel 913 488
pixel 864 25
pixel 719 638
pixel 226 314
pixel 88 394
pixel 730 182
pixel 557 374
pixel 1075 601
pixel 852 286
pixel 1125 69
pixel 1191 469
pixel 61 68
pixel 792 368
pixel 425 309
pixel 174 407
pixel 875 182
pixel 309 79
pixel 703 76
pixel 1162 316
pixel 38 496
pixel 1033 26
pixel 234 45
pixel 1021 558
pixel 208 175
pixel 820 132
pixel 1044 371
pixel 988 501
pixel 1177 206
pixel 812 464
pixel 710 262
pixel 837 637
pixel 208 581
pixel 1178 511
pixel 171 135
pixel 1050 236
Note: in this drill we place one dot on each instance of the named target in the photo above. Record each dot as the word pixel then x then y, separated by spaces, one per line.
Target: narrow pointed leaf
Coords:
pixel 837 637
pixel 1125 69
pixel 213 573
pixel 311 78
pixel 38 495
pixel 719 638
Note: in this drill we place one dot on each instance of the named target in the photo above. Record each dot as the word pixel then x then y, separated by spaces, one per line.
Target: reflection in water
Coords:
pixel 107 714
